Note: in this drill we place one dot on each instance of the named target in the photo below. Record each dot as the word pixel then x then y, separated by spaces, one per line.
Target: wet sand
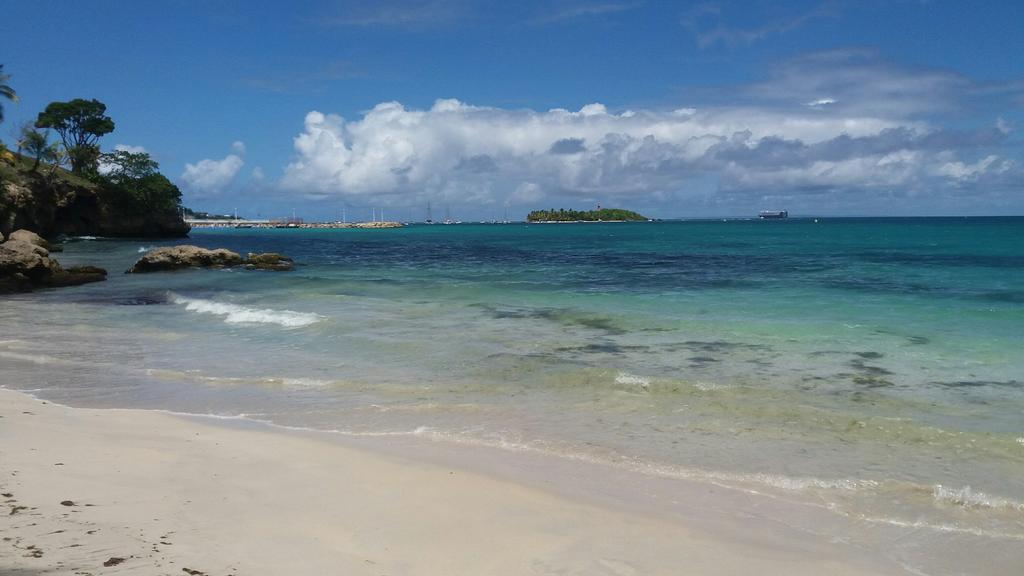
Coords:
pixel 134 492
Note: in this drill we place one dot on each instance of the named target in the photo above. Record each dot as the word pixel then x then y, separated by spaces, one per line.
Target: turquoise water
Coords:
pixel 872 366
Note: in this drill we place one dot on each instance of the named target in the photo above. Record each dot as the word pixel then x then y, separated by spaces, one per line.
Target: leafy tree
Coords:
pixel 121 166
pixel 136 177
pixel 80 124
pixel 5 90
pixel 35 142
pixel 20 142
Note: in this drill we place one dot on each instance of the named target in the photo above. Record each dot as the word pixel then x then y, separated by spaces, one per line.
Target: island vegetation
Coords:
pixel 599 215
pixel 69 186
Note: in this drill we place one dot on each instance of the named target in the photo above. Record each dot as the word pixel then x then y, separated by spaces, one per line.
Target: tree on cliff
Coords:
pixel 80 124
pixel 35 142
pixel 136 178
pixel 5 90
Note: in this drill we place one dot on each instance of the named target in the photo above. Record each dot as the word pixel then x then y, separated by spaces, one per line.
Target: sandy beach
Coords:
pixel 124 491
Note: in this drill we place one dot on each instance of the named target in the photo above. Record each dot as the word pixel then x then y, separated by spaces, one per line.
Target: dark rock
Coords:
pixel 269 261
pixel 76 275
pixel 177 257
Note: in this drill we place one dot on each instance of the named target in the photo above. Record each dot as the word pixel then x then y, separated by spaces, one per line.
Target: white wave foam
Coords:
pixel 35 358
pixel 306 382
pixel 632 380
pixel 144 249
pixel 235 314
pixel 972 500
pixel 938 527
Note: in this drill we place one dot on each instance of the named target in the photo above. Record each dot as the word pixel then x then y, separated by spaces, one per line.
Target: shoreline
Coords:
pixel 168 493
pixel 266 225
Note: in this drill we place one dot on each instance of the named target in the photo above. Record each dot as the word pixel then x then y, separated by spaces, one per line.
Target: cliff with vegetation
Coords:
pixel 52 201
pixel 599 215
pixel 71 187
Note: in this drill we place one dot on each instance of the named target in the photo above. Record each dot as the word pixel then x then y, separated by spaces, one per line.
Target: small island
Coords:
pixel 599 215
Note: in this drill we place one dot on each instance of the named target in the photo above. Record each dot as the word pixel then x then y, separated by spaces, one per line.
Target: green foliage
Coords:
pixel 36 143
pixel 134 178
pixel 5 90
pixel 603 214
pixel 80 124
pixel 123 166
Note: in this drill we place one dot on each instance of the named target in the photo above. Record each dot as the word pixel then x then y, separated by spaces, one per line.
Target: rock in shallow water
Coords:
pixel 35 240
pixel 269 261
pixel 20 257
pixel 77 275
pixel 177 257
pixel 185 256
pixel 25 264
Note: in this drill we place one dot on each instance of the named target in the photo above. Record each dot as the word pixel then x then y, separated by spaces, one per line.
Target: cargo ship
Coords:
pixel 773 214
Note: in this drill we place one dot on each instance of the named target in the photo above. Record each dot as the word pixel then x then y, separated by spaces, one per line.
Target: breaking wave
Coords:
pixel 968 498
pixel 235 314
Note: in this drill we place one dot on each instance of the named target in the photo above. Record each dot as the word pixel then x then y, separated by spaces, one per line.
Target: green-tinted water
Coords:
pixel 872 365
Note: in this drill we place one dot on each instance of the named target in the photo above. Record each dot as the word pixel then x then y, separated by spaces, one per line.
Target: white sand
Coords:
pixel 171 495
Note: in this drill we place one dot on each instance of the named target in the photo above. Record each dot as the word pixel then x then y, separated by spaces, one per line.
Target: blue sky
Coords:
pixel 675 109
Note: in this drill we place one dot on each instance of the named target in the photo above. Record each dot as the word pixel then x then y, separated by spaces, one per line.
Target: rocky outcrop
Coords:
pixel 25 265
pixel 178 257
pixel 185 256
pixel 35 239
pixel 77 275
pixel 269 261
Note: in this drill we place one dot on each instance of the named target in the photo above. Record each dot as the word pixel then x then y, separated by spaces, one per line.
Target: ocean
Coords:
pixel 872 368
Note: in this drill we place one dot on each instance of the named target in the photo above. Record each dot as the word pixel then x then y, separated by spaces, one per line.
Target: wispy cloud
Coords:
pixel 581 10
pixel 397 14
pixel 860 81
pixel 298 80
pixel 708 24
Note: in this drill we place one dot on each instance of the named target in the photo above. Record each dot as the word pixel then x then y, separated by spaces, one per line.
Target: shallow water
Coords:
pixel 872 366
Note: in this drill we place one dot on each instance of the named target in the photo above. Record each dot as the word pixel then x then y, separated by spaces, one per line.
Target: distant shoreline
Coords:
pixel 263 224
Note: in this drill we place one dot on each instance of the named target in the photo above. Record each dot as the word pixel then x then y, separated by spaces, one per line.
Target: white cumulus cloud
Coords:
pixel 457 150
pixel 826 123
pixel 210 176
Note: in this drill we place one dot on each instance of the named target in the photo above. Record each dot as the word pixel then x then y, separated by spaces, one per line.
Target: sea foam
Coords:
pixel 235 314
pixel 632 381
pixel 971 499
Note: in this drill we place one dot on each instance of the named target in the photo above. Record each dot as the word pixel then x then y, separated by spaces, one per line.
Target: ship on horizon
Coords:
pixel 773 214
